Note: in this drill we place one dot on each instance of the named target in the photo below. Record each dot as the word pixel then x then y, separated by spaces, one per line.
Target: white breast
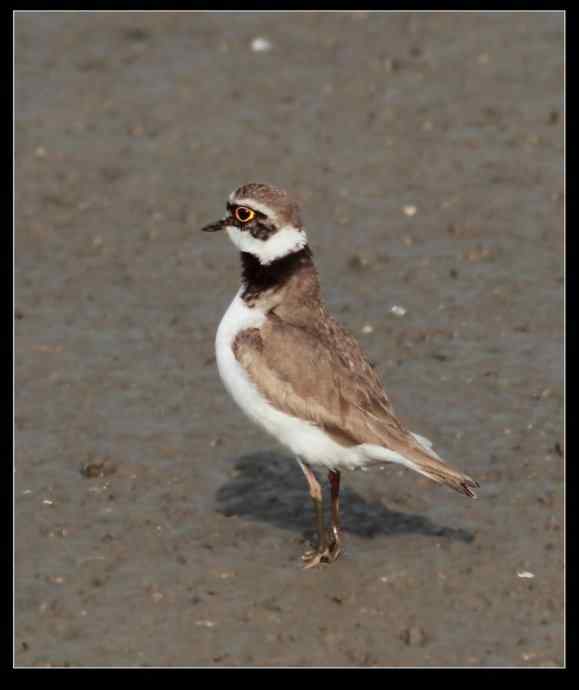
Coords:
pixel 304 439
pixel 237 318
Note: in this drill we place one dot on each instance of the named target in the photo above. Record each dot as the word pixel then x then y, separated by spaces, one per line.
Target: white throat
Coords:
pixel 287 240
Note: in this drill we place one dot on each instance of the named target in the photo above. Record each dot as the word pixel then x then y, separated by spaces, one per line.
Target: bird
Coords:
pixel 300 375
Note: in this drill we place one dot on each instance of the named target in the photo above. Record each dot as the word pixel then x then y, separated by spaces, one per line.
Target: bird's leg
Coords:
pixel 322 554
pixel 335 540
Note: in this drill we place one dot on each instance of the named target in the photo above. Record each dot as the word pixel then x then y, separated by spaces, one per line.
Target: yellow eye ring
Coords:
pixel 244 214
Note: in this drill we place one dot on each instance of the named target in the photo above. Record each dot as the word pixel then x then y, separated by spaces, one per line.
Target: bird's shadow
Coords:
pixel 270 487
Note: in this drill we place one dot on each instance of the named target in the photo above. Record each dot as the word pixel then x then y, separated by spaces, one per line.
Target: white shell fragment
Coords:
pixel 260 45
pixel 205 624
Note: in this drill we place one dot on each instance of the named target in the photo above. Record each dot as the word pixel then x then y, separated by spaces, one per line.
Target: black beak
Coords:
pixel 214 227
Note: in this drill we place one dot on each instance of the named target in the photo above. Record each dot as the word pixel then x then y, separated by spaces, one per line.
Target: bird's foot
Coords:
pixel 327 554
pixel 312 559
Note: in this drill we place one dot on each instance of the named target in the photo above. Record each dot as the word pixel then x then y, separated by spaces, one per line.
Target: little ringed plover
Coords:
pixel 296 372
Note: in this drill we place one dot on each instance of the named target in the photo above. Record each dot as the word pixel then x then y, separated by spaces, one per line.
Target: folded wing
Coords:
pixel 319 373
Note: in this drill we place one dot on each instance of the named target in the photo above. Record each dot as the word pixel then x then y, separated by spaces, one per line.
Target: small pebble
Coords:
pixel 260 45
pixel 358 262
pixel 205 624
pixel 414 636
pixel 397 310
pixel 478 254
pixel 525 574
pixel 96 469
pixel 392 65
pixel 409 210
pixel 368 329
pixel 136 130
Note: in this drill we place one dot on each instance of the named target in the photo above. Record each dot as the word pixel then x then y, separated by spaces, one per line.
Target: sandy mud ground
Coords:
pixel 154 525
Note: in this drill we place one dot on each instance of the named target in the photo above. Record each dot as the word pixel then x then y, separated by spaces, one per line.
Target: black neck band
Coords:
pixel 258 277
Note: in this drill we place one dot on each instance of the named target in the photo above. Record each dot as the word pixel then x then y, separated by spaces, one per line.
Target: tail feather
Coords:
pixel 419 456
pixel 442 473
pixel 434 467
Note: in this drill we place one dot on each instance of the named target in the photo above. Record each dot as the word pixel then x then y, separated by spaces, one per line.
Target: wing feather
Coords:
pixel 318 372
pixel 321 375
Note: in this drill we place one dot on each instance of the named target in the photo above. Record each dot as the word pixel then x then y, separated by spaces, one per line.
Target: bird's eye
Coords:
pixel 244 214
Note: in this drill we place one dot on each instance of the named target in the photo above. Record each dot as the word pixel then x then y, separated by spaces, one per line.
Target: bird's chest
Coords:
pixel 301 436
pixel 238 318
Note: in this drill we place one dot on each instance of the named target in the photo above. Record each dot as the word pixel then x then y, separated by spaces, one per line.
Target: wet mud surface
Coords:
pixel 154 525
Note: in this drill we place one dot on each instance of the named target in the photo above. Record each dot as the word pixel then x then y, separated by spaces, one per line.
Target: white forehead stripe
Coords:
pixel 255 205
pixel 287 240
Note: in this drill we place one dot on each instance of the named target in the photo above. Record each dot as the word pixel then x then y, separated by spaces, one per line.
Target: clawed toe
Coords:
pixel 312 559
pixel 328 554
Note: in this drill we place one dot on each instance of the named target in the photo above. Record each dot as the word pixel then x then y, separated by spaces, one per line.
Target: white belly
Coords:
pixel 302 438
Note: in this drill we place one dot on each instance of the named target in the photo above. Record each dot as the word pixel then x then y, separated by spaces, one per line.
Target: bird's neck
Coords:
pixel 295 270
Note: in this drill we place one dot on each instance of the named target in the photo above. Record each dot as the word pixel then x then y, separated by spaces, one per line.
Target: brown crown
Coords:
pixel 278 200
